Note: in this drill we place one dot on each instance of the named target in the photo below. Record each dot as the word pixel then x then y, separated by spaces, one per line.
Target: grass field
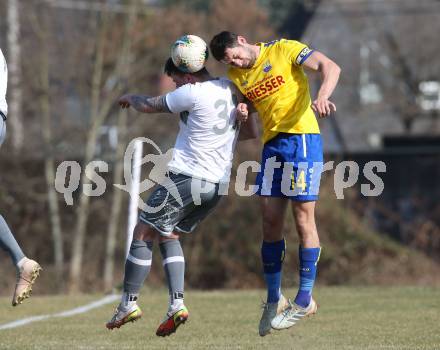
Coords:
pixel 348 318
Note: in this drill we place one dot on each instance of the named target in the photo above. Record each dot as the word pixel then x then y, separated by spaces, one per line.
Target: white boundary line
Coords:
pixel 79 310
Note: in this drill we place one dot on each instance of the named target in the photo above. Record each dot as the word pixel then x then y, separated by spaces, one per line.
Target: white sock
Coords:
pixel 128 300
pixel 174 304
pixel 21 263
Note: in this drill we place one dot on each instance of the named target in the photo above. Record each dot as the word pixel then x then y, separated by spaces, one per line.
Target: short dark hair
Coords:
pixel 170 68
pixel 221 42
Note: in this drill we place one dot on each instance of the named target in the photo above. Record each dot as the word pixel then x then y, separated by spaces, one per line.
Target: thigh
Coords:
pixel 168 204
pixel 180 204
pixel 205 204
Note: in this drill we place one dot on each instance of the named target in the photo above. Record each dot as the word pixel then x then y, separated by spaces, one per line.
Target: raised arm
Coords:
pixel 330 75
pixel 249 128
pixel 145 104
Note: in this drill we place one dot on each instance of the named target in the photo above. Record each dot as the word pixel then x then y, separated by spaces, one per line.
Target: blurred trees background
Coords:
pixel 76 59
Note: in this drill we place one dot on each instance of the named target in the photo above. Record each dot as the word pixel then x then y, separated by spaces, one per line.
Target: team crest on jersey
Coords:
pixel 267 67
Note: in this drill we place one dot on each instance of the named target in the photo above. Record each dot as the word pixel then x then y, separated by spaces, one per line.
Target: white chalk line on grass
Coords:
pixel 79 310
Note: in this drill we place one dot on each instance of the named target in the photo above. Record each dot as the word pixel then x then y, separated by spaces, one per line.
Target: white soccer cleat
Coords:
pixel 292 314
pixel 270 310
pixel 28 273
pixel 122 316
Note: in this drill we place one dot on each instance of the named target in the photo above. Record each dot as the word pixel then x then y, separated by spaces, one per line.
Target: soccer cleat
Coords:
pixel 122 317
pixel 270 310
pixel 293 314
pixel 26 276
pixel 172 321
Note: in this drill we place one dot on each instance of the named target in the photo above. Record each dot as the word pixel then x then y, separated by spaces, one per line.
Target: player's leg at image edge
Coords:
pixel 28 270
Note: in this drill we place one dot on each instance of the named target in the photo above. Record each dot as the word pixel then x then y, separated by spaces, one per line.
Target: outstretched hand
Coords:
pixel 323 107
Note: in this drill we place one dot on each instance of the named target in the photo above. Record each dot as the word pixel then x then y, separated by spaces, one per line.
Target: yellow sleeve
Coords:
pixel 295 51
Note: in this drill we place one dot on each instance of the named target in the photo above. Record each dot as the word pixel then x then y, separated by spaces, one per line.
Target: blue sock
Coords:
pixel 272 254
pixel 308 261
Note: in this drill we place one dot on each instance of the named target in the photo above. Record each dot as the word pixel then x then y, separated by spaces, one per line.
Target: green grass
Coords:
pixel 348 318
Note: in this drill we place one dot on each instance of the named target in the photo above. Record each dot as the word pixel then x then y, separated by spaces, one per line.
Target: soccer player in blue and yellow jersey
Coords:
pixel 272 77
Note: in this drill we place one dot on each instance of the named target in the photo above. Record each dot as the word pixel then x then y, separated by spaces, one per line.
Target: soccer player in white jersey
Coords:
pixel 201 163
pixel 27 270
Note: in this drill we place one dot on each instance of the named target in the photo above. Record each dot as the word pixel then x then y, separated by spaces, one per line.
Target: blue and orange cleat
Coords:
pixel 172 321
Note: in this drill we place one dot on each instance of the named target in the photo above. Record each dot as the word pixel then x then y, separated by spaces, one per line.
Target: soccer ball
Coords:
pixel 189 53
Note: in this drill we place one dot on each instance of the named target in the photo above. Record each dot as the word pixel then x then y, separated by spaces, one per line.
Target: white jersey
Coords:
pixel 3 84
pixel 208 129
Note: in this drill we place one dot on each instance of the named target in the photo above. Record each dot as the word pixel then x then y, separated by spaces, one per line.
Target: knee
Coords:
pixel 272 226
pixel 144 232
pixel 304 219
pixel 269 218
pixel 172 237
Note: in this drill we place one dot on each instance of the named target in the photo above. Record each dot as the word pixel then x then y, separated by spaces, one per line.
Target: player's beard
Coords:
pixel 252 58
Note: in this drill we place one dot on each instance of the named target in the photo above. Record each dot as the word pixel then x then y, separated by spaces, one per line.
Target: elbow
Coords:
pixel 337 69
pixel 330 68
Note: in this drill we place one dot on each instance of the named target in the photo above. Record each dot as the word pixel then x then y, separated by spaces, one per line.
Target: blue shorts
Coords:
pixel 291 167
